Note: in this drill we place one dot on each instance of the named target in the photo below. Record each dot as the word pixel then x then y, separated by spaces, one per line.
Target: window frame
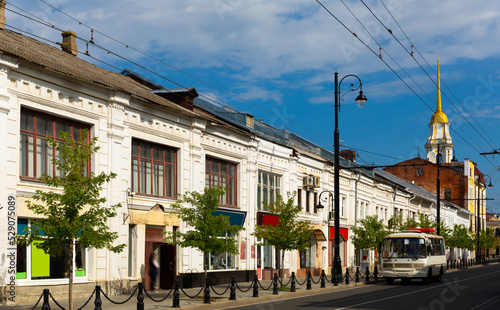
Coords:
pixel 224 200
pixel 138 159
pixel 31 118
pixel 264 190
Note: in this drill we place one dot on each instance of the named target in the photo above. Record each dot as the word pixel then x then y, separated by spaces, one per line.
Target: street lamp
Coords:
pixel 360 99
pixel 320 207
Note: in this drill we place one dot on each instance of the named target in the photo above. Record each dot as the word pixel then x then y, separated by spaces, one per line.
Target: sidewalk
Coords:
pixel 217 302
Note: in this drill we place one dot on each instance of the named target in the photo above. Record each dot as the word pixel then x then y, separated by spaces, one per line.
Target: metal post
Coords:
pixel 206 297
pixel 97 301
pixel 367 274
pixel 323 276
pixel 292 288
pixel 46 305
pixel 438 188
pixel 275 284
pixel 308 286
pixel 140 297
pixel 176 302
pixel 336 193
pixel 357 274
pixel 255 286
pixel 335 278
pixel 347 276
pixel 232 294
pixel 375 273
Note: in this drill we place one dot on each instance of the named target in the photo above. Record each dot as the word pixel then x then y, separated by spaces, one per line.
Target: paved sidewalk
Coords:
pixel 217 302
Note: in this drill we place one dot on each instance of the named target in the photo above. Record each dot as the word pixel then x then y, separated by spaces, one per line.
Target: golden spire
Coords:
pixel 439 115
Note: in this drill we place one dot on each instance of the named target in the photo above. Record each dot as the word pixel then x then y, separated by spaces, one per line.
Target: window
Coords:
pixel 299 197
pixel 343 207
pixel 315 202
pixel 268 187
pixel 447 193
pixel 420 172
pixel 264 254
pixel 222 173
pixel 154 169
pixel 308 201
pixel 220 260
pixel 35 153
pixel 305 257
pixel 34 264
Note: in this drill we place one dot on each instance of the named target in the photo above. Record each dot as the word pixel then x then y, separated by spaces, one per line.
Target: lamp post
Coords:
pixel 320 207
pixel 360 99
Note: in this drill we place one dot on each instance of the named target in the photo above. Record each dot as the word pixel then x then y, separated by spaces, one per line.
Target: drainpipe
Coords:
pixel 356 200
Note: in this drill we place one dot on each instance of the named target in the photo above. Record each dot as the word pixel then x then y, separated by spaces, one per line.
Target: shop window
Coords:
pixel 154 169
pixel 268 187
pixel 35 154
pixel 222 173
pixel 305 257
pixel 220 260
pixel 40 265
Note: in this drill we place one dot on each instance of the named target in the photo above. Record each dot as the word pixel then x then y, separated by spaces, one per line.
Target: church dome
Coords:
pixel 439 117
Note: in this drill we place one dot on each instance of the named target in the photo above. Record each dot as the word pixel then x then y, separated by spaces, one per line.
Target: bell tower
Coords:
pixel 439 132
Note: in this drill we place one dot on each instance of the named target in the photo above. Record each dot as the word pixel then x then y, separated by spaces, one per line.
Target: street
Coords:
pixel 475 288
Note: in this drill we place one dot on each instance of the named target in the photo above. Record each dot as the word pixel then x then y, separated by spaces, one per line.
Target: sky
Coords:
pixel 276 60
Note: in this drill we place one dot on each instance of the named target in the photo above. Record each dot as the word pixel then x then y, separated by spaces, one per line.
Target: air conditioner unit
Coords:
pixel 317 182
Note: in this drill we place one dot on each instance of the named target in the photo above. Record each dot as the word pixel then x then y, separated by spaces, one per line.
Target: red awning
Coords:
pixel 267 219
pixel 344 232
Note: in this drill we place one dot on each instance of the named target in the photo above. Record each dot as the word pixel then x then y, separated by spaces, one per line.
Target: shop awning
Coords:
pixel 267 219
pixel 319 235
pixel 344 232
pixel 235 217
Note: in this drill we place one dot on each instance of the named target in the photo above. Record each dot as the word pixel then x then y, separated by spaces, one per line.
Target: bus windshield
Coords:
pixel 404 248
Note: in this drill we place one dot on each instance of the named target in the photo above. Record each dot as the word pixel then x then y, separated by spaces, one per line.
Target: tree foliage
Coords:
pixel 486 239
pixel 196 210
pixel 290 233
pixel 74 210
pixel 460 238
pixel 370 234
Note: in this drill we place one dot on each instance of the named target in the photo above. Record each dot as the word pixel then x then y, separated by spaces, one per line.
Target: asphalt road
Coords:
pixel 471 289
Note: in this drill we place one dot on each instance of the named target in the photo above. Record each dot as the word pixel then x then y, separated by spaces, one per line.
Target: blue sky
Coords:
pixel 276 60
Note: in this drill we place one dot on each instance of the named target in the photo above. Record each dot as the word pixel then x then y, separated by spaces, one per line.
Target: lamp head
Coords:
pixel 320 206
pixel 490 186
pixel 361 99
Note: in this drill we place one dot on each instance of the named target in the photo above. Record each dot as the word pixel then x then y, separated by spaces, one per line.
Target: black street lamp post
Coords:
pixel 360 99
pixel 479 211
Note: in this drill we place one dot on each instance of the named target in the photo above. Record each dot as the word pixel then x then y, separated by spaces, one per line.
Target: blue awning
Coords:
pixel 235 217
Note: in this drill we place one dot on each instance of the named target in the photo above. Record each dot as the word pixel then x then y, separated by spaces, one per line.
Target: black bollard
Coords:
pixel 335 277
pixel 357 274
pixel 97 301
pixel 308 286
pixel 275 284
pixel 292 288
pixel 140 297
pixel 375 273
pixel 255 286
pixel 232 294
pixel 176 301
pixel 333 272
pixel 46 305
pixel 367 274
pixel 206 296
pixel 347 276
pixel 323 276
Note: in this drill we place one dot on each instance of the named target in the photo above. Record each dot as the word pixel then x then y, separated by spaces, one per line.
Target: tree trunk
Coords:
pixel 282 265
pixel 70 291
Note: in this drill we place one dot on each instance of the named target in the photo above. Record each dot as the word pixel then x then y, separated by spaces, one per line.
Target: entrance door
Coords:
pixel 165 254
pixel 167 266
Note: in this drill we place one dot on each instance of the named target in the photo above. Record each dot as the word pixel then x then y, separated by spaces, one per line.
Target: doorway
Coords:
pixel 165 254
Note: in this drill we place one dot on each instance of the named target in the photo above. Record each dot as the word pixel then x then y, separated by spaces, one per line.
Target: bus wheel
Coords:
pixel 427 279
pixel 406 280
pixel 390 281
pixel 438 277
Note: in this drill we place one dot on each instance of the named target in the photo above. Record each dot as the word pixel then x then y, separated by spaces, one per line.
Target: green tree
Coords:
pixel 290 233
pixel 74 210
pixel 196 210
pixel 459 238
pixel 485 240
pixel 370 234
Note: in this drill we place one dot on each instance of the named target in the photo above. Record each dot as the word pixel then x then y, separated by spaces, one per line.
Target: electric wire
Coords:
pixel 432 69
pixel 409 53
pixel 406 84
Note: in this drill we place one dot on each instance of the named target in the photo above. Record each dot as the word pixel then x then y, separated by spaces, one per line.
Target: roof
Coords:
pixel 58 61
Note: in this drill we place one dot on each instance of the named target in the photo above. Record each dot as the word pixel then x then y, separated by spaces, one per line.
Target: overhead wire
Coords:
pixel 208 98
pixel 432 69
pixel 409 53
